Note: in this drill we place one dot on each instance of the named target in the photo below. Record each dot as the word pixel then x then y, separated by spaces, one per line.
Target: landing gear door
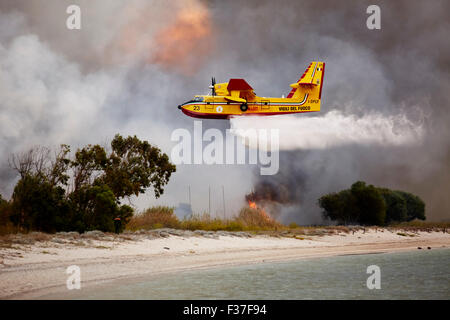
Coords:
pixel 210 105
pixel 265 105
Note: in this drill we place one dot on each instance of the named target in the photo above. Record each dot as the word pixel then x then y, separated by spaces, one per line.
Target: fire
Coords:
pixel 183 44
pixel 261 211
pixel 176 36
pixel 252 204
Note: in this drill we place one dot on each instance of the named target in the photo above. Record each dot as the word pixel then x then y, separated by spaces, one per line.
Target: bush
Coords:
pixel 154 218
pixel 95 208
pixel 47 198
pixel 415 207
pixel 369 205
pixel 38 205
pixel 256 218
pixel 396 210
pixel 293 225
pixel 205 222
pixel 163 217
pixel 340 206
pixel 6 225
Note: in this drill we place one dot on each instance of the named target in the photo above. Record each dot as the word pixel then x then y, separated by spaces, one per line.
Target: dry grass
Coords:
pixel 163 217
pixel 154 218
pixel 418 225
pixel 256 219
pixel 206 223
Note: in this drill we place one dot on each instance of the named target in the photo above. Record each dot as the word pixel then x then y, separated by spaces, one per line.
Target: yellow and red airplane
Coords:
pixel 237 98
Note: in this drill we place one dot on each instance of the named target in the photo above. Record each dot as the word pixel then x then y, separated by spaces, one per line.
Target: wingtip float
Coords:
pixel 237 98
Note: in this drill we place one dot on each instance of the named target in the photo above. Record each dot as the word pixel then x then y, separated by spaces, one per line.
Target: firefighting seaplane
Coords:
pixel 237 98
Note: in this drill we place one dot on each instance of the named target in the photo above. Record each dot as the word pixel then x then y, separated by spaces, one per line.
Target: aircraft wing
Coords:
pixel 234 99
pixel 240 90
pixel 239 85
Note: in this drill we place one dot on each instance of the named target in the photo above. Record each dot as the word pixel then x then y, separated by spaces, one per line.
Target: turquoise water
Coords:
pixel 420 274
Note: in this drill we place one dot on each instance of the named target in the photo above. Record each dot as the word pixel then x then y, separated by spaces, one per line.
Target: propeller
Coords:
pixel 213 83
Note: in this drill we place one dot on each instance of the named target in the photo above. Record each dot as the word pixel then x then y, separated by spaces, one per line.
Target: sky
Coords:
pixel 384 115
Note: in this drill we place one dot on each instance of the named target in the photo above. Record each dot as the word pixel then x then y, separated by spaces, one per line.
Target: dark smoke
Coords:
pixel 58 86
pixel 401 69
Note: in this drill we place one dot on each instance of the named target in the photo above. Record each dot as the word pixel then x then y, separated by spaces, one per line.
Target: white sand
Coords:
pixel 30 271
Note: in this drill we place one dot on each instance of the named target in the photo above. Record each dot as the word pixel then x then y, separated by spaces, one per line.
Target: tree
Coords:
pixel 5 213
pixel 395 205
pixel 57 193
pixel 415 207
pixel 89 164
pixel 370 203
pixel 38 205
pixel 134 165
pixel 37 162
pixel 340 206
pixel 332 207
pixel 94 208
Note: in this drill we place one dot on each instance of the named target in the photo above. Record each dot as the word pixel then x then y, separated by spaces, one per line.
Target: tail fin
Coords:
pixel 310 82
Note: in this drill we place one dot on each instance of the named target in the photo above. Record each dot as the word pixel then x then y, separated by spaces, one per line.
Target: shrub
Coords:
pixel 154 218
pixel 6 225
pixel 340 206
pixel 415 207
pixel 293 225
pixel 38 205
pixel 369 205
pixel 44 200
pixel 395 205
pixel 256 218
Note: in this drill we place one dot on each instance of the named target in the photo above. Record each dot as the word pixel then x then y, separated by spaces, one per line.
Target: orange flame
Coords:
pixel 185 43
pixel 177 36
pixel 253 205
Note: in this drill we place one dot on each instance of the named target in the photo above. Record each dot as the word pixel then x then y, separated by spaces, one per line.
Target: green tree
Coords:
pixel 83 193
pixel 5 214
pixel 370 204
pixel 340 206
pixel 134 165
pixel 395 205
pixel 415 207
pixel 38 205
pixel 360 204
pixel 93 208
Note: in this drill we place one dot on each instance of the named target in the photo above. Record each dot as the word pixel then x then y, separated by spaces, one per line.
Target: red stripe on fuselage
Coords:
pixel 202 115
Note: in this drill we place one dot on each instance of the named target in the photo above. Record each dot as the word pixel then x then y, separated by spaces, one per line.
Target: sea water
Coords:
pixel 419 274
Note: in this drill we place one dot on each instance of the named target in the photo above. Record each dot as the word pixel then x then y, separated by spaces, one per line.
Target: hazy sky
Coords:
pixel 133 62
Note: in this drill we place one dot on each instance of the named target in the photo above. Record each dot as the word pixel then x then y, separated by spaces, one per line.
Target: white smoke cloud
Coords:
pixel 51 93
pixel 335 129
pixel 45 98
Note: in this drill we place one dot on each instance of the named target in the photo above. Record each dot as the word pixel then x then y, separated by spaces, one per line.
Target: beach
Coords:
pixel 30 269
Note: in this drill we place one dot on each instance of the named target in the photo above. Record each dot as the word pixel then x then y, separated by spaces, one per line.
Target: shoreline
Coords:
pixel 39 269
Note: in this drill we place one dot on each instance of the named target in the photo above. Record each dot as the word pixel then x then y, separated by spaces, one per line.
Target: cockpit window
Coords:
pixel 196 99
